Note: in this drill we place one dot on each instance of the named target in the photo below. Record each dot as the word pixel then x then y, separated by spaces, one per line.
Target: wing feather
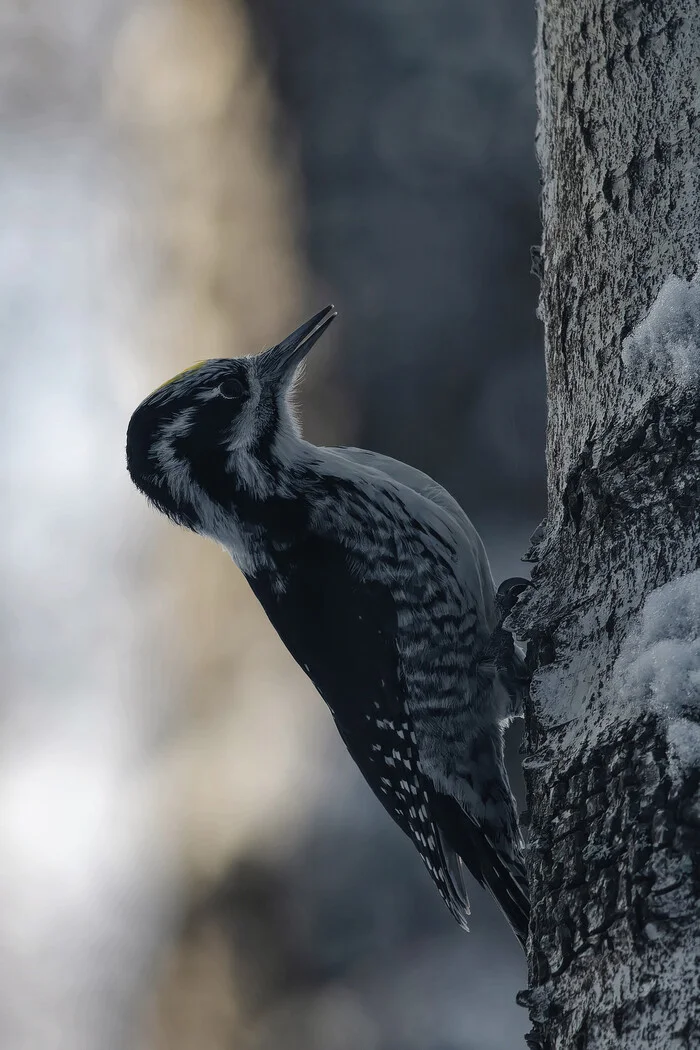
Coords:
pixel 342 631
pixel 443 510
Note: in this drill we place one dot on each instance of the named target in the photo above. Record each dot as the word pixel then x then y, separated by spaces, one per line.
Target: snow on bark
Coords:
pixel 666 344
pixel 613 771
pixel 658 668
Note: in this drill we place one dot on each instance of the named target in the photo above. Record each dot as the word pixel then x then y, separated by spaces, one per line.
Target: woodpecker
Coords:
pixel 379 586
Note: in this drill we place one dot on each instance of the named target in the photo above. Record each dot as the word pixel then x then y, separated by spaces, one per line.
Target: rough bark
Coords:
pixel 615 812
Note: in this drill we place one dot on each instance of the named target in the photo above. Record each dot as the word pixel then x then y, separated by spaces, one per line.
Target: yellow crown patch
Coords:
pixel 190 368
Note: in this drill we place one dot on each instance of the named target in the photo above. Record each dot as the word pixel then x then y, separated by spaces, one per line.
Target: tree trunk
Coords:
pixel 613 617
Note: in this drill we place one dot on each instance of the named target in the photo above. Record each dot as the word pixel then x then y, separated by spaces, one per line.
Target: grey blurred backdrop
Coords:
pixel 189 859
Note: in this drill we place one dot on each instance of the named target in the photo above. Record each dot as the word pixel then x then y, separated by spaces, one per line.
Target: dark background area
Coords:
pixel 413 125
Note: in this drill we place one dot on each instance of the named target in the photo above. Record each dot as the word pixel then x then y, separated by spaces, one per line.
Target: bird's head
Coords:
pixel 218 428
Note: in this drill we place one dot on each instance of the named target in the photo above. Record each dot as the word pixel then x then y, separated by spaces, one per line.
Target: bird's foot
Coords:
pixel 508 593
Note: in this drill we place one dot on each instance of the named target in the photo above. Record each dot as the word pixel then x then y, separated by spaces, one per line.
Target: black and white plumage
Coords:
pixel 379 586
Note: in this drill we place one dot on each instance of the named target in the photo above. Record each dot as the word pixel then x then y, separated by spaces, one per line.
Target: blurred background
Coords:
pixel 188 858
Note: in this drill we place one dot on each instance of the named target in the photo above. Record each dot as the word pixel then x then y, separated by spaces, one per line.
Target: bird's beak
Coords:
pixel 281 361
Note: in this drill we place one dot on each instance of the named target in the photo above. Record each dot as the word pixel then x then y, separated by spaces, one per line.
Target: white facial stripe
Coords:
pixel 252 474
pixel 207 395
pixel 180 425
pixel 168 433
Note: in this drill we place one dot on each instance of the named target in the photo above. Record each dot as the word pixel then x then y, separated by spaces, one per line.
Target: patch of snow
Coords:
pixel 659 664
pixel 667 341
pixel 684 742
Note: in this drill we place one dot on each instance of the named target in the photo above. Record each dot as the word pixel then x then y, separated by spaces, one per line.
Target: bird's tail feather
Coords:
pixel 452 884
pixel 503 874
pixel 505 877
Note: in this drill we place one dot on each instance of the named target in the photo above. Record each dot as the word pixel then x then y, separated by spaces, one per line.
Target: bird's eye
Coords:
pixel 231 389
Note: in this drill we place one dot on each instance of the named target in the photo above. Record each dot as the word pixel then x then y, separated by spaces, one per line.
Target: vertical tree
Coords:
pixel 614 615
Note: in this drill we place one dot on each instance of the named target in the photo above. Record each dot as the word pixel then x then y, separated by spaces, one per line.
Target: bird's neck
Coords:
pixel 269 499
pixel 280 469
